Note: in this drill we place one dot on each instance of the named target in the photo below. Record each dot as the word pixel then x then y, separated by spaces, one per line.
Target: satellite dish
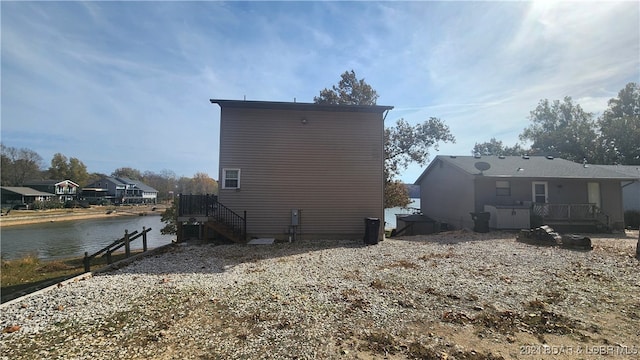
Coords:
pixel 482 166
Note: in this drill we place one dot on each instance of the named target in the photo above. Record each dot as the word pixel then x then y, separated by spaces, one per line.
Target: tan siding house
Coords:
pixel 302 170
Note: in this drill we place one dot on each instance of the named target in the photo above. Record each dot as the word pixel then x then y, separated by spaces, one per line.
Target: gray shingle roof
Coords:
pixel 527 167
pixel 26 191
pixel 631 170
pixel 138 184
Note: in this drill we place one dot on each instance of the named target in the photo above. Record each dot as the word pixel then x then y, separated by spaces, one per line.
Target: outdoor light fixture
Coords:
pixel 303 121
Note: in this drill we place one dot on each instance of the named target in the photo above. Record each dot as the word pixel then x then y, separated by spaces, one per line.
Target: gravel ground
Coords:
pixel 456 295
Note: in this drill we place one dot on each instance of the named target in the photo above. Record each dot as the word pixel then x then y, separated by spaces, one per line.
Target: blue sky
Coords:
pixel 127 84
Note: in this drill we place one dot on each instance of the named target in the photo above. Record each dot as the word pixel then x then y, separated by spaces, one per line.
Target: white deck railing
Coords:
pixel 570 212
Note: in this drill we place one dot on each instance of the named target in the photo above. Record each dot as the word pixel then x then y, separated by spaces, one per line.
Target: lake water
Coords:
pixel 390 214
pixel 64 239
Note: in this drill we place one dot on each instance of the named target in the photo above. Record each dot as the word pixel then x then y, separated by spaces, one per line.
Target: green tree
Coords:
pixel 495 147
pixel 562 129
pixel 406 144
pixel 350 91
pixel 19 165
pixel 72 169
pixel 619 141
pixel 403 143
pixel 59 168
pixel 78 172
pixel 127 172
pixel 170 218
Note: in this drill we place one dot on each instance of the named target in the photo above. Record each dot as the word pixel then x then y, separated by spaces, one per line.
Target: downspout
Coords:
pixel 382 233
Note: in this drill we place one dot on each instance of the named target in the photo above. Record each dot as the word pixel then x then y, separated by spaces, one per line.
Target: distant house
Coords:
pixel 630 188
pixel 20 195
pixel 299 170
pixel 119 190
pixel 520 191
pixel 65 189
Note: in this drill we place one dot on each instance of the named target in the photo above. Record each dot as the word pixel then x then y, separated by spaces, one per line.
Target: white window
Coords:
pixel 503 188
pixel 231 178
pixel 540 193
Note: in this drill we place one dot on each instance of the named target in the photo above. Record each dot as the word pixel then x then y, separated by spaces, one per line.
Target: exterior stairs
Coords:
pixel 210 215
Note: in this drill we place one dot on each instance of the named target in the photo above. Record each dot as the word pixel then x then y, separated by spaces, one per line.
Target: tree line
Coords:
pixel 22 165
pixel 563 129
pixel 558 128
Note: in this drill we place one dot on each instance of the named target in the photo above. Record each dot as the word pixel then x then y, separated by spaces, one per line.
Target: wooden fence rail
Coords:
pixel 125 242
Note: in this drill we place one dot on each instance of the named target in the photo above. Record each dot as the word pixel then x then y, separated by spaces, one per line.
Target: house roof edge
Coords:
pixel 279 105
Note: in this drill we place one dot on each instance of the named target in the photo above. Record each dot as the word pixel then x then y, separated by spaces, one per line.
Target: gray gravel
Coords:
pixel 334 299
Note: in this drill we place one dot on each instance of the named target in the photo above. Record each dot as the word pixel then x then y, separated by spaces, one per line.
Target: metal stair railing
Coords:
pixel 209 206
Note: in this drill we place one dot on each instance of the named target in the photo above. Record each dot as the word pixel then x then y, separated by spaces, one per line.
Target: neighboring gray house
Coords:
pixel 516 189
pixel 120 190
pixel 301 170
pixel 630 188
pixel 65 189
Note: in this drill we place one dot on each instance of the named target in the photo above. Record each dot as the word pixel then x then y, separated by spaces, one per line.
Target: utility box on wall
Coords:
pixel 295 217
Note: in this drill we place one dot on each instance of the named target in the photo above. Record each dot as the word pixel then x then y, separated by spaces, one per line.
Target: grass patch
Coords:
pixel 30 269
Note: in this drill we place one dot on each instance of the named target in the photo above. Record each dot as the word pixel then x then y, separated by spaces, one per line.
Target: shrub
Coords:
pixel 53 203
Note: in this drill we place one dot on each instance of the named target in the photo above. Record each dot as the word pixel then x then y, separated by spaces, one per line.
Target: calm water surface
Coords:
pixel 66 239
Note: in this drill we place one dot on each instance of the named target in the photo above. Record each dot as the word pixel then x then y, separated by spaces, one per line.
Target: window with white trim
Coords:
pixel 231 178
pixel 503 188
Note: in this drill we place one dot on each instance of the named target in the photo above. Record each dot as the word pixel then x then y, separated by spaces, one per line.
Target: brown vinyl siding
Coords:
pixel 330 168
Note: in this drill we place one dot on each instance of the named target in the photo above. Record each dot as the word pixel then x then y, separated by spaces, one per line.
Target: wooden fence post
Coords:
pixel 127 247
pixel 179 231
pixel 86 260
pixel 144 239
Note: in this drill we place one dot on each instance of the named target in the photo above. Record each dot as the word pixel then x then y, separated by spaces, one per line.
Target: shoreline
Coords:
pixel 27 217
